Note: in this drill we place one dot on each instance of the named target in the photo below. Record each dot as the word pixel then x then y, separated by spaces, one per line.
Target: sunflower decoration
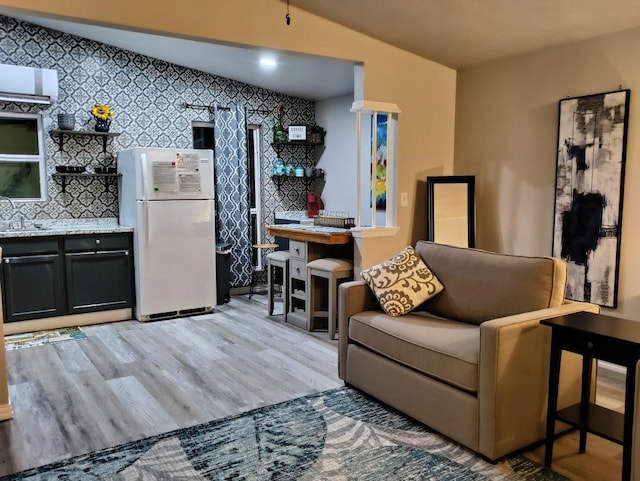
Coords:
pixel 102 112
pixel 103 115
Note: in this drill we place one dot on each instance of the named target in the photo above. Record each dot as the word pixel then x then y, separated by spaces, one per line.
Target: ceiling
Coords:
pixel 463 33
pixel 456 33
pixel 303 76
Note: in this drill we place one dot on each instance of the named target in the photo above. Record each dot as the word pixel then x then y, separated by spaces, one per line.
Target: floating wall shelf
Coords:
pixel 106 177
pixel 278 179
pixel 60 135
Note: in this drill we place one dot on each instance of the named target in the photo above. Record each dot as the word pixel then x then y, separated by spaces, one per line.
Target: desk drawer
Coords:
pixel 298 269
pixel 298 250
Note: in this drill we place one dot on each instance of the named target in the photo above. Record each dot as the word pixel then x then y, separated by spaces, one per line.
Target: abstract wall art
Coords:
pixel 592 133
pixel 381 162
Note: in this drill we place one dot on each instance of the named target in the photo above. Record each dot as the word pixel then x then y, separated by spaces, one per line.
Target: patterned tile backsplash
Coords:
pixel 147 96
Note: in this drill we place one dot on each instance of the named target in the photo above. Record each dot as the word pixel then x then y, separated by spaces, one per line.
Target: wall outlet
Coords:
pixel 404 199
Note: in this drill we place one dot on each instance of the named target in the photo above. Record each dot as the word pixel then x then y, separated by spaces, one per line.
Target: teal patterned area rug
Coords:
pixel 40 338
pixel 336 435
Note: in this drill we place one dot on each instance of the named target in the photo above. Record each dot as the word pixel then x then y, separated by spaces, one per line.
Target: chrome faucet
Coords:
pixel 13 211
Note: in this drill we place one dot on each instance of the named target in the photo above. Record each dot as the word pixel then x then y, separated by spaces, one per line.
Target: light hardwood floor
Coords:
pixel 130 380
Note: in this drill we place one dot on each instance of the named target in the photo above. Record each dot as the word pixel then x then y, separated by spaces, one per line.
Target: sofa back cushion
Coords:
pixel 481 285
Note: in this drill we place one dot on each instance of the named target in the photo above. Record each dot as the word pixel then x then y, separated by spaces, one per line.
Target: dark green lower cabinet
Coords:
pixel 33 287
pixel 98 281
pixel 53 276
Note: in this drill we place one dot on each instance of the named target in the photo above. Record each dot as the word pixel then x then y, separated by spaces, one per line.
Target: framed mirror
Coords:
pixel 451 210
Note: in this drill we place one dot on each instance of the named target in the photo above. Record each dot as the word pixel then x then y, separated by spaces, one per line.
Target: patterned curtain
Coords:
pixel 232 189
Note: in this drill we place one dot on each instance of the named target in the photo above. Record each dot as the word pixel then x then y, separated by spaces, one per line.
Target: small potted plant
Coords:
pixel 103 115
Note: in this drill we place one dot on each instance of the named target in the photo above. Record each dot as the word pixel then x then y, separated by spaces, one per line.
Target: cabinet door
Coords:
pixel 33 287
pixel 98 281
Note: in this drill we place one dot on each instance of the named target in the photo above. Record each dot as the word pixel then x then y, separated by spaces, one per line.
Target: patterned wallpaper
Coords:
pixel 147 96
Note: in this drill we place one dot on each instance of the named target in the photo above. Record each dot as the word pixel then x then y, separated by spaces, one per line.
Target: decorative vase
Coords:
pixel 102 125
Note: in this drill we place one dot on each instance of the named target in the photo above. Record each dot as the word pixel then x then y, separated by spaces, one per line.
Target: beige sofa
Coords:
pixel 472 362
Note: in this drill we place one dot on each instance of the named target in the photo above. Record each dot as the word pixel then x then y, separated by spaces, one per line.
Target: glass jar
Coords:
pixel 278 167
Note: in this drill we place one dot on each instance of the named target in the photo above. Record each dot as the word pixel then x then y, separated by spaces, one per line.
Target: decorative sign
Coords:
pixel 297 132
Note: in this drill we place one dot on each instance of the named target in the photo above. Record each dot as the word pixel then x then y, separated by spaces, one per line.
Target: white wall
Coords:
pixel 339 155
pixel 506 134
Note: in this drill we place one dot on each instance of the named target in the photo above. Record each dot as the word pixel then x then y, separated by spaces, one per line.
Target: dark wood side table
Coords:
pixel 594 336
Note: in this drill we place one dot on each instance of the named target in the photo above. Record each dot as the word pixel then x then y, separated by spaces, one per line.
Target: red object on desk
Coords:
pixel 314 204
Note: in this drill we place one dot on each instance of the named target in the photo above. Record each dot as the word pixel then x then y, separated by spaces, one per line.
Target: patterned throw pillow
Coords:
pixel 402 283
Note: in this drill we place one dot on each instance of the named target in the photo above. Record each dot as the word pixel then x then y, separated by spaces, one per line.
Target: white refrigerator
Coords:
pixel 167 196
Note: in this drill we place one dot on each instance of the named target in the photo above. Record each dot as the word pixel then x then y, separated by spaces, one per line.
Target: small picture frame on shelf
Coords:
pixel 297 132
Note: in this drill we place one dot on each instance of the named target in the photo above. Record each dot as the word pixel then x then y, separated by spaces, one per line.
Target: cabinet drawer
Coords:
pixel 298 269
pixel 298 250
pixel 96 242
pixel 29 246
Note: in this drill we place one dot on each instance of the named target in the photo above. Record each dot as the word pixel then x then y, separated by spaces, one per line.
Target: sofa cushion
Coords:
pixel 481 285
pixel 441 348
pixel 402 283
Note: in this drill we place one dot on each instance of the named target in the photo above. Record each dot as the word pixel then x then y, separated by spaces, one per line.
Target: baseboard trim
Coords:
pixel 6 412
pixel 73 320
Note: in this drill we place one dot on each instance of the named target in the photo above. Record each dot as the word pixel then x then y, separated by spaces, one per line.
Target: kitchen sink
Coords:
pixel 6 228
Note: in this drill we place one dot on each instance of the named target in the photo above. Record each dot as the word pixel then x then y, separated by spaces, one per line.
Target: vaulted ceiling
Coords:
pixel 462 33
pixel 456 33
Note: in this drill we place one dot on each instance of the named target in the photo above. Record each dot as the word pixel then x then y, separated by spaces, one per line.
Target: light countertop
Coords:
pixel 49 227
pixel 292 215
pixel 311 233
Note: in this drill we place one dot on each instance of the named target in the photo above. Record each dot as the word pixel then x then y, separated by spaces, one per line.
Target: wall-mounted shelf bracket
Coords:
pixel 105 177
pixel 59 136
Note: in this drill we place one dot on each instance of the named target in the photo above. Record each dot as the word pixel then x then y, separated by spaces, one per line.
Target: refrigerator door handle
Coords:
pixel 147 227
pixel 145 176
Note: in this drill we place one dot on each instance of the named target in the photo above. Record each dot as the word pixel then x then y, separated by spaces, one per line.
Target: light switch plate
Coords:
pixel 404 199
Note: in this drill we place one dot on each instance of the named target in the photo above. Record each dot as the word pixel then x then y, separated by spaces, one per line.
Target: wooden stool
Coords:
pixel 259 247
pixel 278 259
pixel 332 270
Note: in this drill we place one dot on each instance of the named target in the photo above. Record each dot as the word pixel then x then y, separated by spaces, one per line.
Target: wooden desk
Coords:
pixel 594 336
pixel 311 234
pixel 309 243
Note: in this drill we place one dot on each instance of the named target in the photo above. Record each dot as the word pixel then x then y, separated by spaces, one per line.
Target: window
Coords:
pixel 203 139
pixel 22 160
pixel 203 135
pixel 376 125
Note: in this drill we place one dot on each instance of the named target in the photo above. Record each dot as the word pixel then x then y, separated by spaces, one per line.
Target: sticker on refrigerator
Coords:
pixel 189 182
pixel 188 173
pixel 165 176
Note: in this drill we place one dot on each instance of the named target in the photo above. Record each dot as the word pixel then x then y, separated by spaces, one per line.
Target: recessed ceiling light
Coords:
pixel 268 62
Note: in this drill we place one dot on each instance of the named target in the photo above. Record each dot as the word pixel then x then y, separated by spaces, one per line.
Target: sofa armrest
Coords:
pixel 514 377
pixel 353 297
